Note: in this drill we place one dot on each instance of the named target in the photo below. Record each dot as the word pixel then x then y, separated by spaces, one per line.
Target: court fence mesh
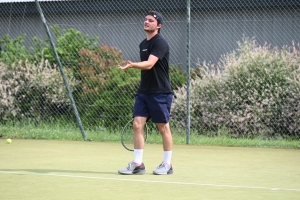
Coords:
pixel 234 65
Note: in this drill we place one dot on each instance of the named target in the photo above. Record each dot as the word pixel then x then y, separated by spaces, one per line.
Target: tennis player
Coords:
pixel 154 96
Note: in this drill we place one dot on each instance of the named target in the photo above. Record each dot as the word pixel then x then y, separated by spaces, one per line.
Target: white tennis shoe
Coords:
pixel 163 169
pixel 133 168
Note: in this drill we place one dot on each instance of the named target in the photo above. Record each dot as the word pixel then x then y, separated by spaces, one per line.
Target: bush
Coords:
pixel 251 92
pixel 98 86
pixel 33 91
pixel 13 50
pixel 97 81
pixel 69 42
pixel 94 68
pixel 177 77
pixel 116 102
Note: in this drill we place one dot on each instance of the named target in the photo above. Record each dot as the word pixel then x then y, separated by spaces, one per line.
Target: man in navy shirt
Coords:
pixel 154 96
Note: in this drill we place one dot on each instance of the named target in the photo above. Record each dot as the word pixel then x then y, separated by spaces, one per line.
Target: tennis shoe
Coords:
pixel 133 168
pixel 163 169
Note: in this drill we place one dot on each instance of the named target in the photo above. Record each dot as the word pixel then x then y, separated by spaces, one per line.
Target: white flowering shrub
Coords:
pixel 254 91
pixel 33 91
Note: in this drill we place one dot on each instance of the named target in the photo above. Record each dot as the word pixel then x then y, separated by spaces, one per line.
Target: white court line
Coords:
pixel 149 181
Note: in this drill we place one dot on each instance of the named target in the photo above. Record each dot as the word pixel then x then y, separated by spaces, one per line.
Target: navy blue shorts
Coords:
pixel 155 106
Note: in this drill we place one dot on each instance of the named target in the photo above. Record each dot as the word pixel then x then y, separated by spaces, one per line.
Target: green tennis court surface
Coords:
pixel 41 169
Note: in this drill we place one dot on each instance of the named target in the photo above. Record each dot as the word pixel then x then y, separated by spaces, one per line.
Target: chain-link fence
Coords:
pixel 234 65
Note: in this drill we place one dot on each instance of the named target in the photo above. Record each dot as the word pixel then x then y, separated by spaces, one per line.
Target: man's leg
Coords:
pixel 139 138
pixel 165 167
pixel 137 165
pixel 138 129
pixel 166 134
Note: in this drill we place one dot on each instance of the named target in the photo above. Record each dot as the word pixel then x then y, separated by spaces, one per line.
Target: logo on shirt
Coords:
pixel 144 50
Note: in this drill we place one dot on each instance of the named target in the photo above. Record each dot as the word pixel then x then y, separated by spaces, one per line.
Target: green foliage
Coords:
pixel 252 92
pixel 117 100
pixel 13 50
pixel 98 84
pixel 177 77
pixel 68 44
pixel 38 48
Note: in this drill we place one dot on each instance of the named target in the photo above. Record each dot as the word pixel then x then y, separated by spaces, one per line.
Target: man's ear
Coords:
pixel 159 25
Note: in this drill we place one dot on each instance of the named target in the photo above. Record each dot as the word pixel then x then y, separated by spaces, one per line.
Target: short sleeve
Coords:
pixel 160 48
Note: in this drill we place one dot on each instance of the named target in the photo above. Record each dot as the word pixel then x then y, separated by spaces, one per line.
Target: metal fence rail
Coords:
pixel 229 63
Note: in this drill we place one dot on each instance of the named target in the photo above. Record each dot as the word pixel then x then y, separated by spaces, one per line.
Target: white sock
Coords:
pixel 138 156
pixel 167 157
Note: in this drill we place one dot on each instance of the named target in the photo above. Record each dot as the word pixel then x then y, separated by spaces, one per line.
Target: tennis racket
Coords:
pixel 127 135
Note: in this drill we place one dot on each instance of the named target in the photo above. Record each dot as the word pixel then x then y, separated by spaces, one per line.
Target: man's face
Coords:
pixel 150 24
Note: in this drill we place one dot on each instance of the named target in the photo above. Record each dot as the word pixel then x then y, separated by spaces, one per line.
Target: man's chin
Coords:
pixel 148 31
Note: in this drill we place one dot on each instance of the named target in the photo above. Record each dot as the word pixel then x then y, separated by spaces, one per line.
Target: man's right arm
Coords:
pixel 144 65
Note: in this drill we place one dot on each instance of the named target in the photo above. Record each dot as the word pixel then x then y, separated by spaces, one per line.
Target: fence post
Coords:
pixel 188 118
pixel 61 71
